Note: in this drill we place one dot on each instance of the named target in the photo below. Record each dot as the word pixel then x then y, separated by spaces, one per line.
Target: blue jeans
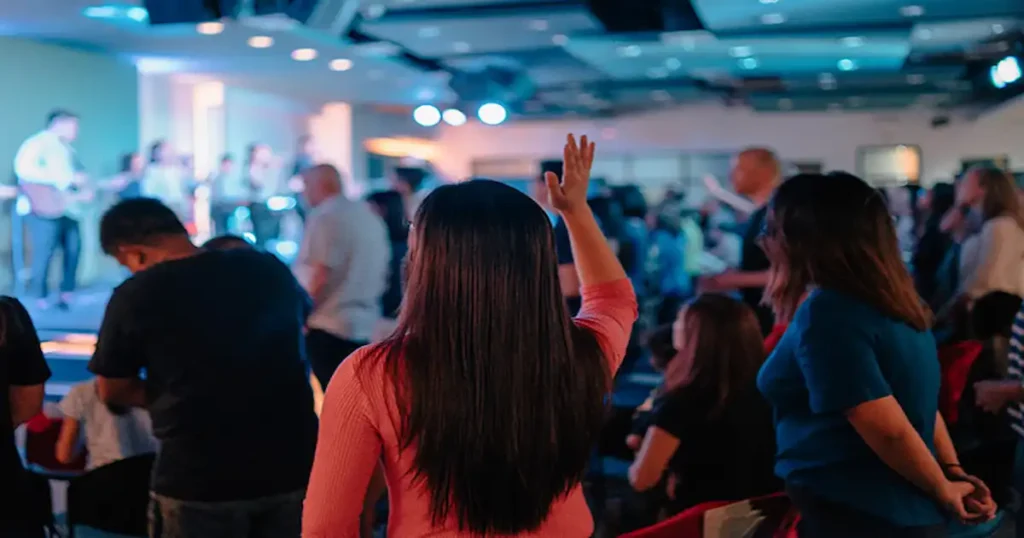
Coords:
pixel 279 516
pixel 46 235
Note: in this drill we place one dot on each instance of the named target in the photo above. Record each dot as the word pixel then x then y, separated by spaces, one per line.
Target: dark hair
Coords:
pixel 485 324
pixel 659 343
pixel 993 315
pixel 126 161
pixel 392 210
pixel 835 232
pixel 413 177
pixel 227 242
pixel 723 349
pixel 943 199
pixel 138 221
pixel 227 158
pixel 632 201
pixel 59 114
pixel 154 149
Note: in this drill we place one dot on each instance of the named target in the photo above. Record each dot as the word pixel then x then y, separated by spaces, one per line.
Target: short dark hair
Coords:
pixel 59 114
pixel 413 177
pixel 138 221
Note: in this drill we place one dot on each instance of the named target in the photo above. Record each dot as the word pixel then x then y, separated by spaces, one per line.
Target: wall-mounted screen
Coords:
pixel 889 165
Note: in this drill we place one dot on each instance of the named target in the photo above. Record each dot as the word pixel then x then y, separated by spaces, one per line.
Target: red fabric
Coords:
pixel 41 445
pixel 690 523
pixel 955 361
pixel 773 338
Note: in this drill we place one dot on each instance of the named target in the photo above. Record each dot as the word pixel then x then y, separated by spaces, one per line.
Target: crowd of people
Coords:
pixel 798 352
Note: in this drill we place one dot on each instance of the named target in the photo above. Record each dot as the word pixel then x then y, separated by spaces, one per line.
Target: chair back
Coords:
pixel 113 498
pixel 776 514
pixel 41 434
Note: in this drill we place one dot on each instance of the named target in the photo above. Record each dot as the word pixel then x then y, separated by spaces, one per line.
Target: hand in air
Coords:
pixel 571 193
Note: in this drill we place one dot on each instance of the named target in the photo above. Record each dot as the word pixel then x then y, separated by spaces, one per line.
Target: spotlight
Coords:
pixel 454 117
pixel 427 115
pixel 492 113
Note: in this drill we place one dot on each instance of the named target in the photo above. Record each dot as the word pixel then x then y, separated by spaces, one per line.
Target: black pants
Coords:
pixel 820 518
pixel 326 351
pixel 46 236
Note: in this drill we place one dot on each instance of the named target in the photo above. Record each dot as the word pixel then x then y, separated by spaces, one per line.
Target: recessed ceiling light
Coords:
pixel 769 1
pixel 773 18
pixel 912 11
pixel 657 72
pixel 261 42
pixel 630 51
pixel 660 95
pixel 748 63
pixel 559 39
pixel 998 29
pixel 140 14
pixel 673 64
pixel 740 52
pixel 915 79
pixel 210 28
pixel 340 64
pixel 303 55
pixel 461 47
pixel 846 64
pixel 453 117
pixel 428 32
pixel 852 41
pixel 539 25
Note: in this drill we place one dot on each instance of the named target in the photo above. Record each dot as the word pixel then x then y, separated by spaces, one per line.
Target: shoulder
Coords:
pixel 1003 225
pixel 832 313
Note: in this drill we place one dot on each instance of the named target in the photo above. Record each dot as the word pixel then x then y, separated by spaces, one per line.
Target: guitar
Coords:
pixel 49 202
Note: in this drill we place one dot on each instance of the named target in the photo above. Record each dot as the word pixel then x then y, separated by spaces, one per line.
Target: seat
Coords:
pixel 113 498
pixel 780 519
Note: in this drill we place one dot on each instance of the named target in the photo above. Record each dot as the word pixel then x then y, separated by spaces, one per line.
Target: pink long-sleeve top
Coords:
pixel 360 425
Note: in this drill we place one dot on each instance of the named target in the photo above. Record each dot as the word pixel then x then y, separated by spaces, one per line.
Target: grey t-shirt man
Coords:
pixel 350 240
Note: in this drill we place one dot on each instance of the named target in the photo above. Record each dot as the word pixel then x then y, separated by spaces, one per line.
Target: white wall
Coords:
pixel 100 89
pixel 830 138
pixel 251 116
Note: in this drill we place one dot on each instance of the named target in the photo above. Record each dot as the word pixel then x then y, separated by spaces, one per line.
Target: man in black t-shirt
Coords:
pixel 756 173
pixel 23 372
pixel 219 337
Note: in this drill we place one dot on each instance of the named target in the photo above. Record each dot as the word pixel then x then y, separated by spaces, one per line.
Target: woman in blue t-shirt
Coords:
pixel 855 379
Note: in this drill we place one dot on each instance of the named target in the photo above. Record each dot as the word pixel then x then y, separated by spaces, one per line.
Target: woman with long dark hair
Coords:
pixel 855 379
pixel 391 208
pixel 710 426
pixel 484 404
pixel 25 505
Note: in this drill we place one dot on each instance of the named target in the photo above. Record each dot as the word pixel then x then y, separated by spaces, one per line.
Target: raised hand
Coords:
pixel 570 193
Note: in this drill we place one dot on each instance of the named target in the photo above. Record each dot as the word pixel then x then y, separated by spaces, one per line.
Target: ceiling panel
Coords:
pixel 545 67
pixel 785 15
pixel 833 103
pixel 451 36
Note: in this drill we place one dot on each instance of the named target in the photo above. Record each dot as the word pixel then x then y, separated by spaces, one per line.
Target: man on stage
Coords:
pixel 51 178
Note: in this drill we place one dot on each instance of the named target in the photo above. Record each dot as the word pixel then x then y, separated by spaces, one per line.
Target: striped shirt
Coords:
pixel 1016 370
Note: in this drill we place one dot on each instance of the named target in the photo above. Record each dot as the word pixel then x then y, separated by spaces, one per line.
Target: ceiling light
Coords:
pixel 673 64
pixel 846 64
pixel 740 52
pixel 912 11
pixel 261 42
pixel 559 39
pixel 492 113
pixel 748 63
pixel 539 25
pixel 136 14
pixel 453 117
pixel 340 64
pixel 428 32
pixel 461 47
pixel 852 41
pixel 210 28
pixel 769 1
pixel 998 29
pixel 427 115
pixel 303 55
pixel 139 14
pixel 773 18
pixel 915 79
pixel 629 51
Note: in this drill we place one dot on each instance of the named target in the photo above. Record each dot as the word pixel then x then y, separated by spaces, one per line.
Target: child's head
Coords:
pixel 659 343
pixel 719 343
